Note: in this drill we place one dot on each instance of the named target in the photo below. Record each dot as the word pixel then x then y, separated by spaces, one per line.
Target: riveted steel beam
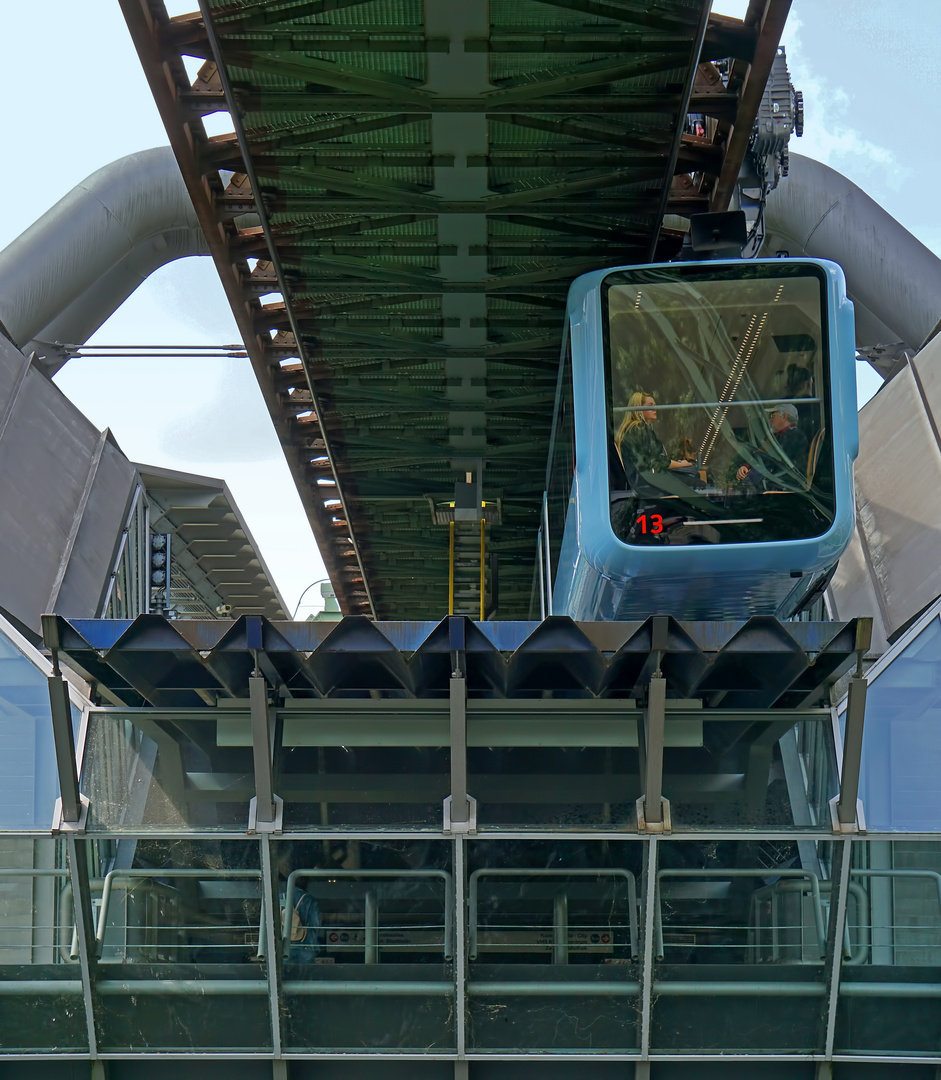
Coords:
pixel 187 140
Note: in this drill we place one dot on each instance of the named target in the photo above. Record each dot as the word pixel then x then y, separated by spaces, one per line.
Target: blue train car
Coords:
pixel 703 442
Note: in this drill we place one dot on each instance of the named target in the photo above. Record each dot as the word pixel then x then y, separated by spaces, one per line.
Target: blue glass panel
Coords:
pixel 28 780
pixel 902 740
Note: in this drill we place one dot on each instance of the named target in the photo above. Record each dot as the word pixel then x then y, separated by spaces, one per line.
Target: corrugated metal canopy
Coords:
pixel 759 664
pixel 428 177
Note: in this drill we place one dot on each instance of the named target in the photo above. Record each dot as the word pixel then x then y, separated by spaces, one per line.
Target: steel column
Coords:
pixel 460 960
pixel 654 730
pixel 460 809
pixel 270 912
pixel 70 800
pixel 651 899
pixel 265 809
pixel 457 691
pixel 852 750
pixel 835 937
pixel 84 928
pixel 845 811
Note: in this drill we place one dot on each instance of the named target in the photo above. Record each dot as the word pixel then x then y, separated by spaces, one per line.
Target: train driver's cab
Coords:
pixel 718 403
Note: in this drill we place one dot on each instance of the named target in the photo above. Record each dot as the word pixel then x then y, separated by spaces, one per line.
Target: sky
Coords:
pixel 75 99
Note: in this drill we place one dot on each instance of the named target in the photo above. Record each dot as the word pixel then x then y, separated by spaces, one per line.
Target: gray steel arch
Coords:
pixel 894 280
pixel 71 269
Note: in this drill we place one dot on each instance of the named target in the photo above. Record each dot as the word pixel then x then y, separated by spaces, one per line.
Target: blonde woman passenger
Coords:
pixel 637 442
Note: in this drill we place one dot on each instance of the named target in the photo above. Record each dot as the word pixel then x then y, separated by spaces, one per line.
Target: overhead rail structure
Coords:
pixel 409 189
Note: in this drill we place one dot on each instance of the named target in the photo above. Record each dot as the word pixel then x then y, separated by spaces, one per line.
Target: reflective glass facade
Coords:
pixel 28 787
pixel 902 752
pixel 554 933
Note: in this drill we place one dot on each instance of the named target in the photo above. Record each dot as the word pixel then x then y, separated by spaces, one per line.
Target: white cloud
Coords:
pixel 828 135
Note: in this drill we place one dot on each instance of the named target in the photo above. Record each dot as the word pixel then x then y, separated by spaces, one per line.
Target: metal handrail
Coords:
pixel 130 875
pixel 739 873
pixel 371 914
pixel 790 885
pixel 858 957
pixel 560 909
pixel 42 871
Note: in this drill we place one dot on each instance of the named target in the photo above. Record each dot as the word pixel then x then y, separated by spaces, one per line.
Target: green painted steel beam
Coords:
pixel 278 102
pixel 430 177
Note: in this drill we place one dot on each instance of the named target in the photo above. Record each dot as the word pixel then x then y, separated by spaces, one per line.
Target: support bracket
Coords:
pixel 857 825
pixel 256 825
pixel 664 825
pixel 60 825
pixel 467 826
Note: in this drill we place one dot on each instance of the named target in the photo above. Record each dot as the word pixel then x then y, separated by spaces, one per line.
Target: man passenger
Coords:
pixel 784 420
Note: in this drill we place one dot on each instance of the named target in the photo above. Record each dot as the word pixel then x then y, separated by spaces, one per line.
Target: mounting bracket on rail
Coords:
pixel 467 826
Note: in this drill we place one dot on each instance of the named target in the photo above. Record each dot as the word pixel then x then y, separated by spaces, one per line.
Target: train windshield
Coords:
pixel 718 403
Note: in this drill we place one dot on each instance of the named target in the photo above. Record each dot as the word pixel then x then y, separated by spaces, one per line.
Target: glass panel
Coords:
pixel 361 763
pixel 718 404
pixel 368 940
pixel 554 945
pixel 41 1000
pixel 29 783
pixel 554 788
pixel 818 775
pixel 898 780
pixel 891 975
pixel 146 769
pixel 740 946
pixel 177 930
pixel 753 770
pixel 554 764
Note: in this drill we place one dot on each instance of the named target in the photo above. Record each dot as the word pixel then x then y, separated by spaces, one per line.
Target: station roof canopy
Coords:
pixel 757 665
pixel 212 545
pixel 409 190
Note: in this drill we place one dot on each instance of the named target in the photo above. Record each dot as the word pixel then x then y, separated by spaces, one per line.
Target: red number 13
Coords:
pixel 656 523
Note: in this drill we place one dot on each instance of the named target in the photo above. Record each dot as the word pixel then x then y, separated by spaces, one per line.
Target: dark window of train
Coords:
pixel 735 360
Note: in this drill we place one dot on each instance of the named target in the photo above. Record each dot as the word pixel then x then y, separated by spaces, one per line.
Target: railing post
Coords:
pixel 371 928
pixel 560 928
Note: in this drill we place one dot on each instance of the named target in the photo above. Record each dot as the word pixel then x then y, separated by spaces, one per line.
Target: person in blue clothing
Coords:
pixel 305 920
